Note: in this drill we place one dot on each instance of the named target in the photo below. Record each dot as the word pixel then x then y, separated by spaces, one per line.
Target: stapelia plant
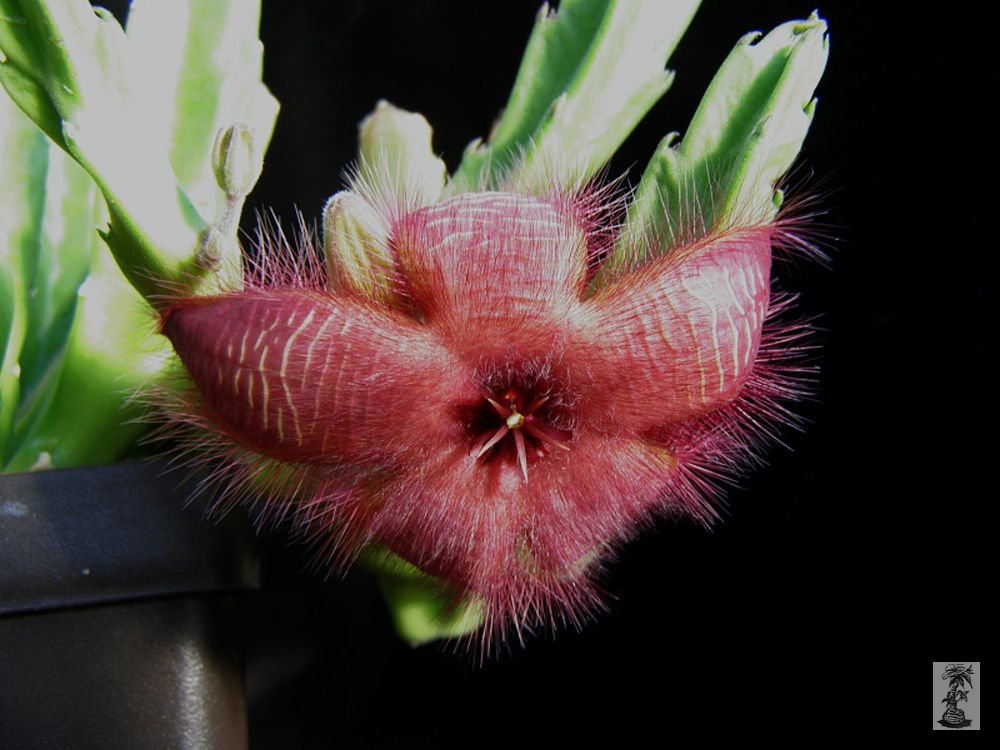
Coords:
pixel 481 384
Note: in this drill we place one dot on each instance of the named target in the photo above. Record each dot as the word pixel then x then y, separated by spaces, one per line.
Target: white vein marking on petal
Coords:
pixel 718 351
pixel 284 370
pixel 250 385
pixel 260 337
pixel 315 340
pixel 453 237
pixel 749 289
pixel 686 317
pixel 437 222
pixel 692 289
pixel 263 380
pixel 326 368
pixel 263 333
pixel 759 275
pixel 732 324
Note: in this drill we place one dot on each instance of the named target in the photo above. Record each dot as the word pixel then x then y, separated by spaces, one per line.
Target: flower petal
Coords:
pixel 523 548
pixel 489 268
pixel 678 337
pixel 302 376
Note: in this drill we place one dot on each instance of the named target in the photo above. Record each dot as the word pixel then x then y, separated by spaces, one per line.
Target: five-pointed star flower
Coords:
pixel 494 417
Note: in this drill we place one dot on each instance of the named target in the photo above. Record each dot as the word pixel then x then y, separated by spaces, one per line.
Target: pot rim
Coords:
pixel 101 534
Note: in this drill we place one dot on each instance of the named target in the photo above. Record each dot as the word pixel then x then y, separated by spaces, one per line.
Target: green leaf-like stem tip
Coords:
pixel 423 609
pixel 590 73
pixel 744 136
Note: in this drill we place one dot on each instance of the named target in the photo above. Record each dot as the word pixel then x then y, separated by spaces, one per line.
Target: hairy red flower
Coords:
pixel 495 419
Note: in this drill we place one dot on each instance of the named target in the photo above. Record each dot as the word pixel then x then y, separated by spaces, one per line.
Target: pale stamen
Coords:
pixel 535 405
pixel 544 434
pixel 522 455
pixel 497 437
pixel 519 423
pixel 503 411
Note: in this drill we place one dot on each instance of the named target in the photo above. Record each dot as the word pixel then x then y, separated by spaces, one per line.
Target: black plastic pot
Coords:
pixel 119 613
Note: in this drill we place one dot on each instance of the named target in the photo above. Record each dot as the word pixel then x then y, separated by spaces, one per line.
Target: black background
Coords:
pixel 844 567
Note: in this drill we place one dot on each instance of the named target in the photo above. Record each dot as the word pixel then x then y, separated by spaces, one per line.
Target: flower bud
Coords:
pixel 397 143
pixel 355 246
pixel 236 163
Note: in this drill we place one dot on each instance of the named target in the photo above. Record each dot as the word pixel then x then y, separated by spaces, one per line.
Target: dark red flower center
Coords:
pixel 520 422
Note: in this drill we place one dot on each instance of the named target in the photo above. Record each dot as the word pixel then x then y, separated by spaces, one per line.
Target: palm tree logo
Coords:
pixel 958 677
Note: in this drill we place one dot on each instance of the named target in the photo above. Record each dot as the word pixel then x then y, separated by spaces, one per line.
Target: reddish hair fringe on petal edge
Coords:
pixel 712 451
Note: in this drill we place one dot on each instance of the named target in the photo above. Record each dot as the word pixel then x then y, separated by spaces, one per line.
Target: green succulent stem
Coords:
pixel 743 138
pixel 138 111
pixel 65 65
pixel 589 74
pixel 423 608
pixel 97 93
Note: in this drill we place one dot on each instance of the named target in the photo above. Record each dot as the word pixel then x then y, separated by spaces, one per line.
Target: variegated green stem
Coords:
pixel 66 225
pixel 589 75
pixel 88 418
pixel 85 345
pixel 66 66
pixel 100 96
pixel 22 195
pixel 75 344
